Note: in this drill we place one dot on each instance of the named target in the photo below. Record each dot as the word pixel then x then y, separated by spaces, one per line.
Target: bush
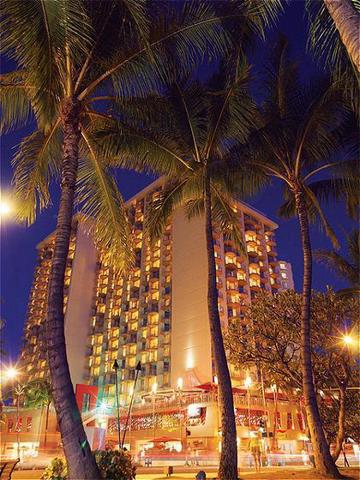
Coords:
pixel 57 470
pixel 113 465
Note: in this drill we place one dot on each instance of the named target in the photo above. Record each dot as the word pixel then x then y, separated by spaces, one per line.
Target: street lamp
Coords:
pixel 180 386
pixel 137 372
pixel 12 373
pixel 116 368
pixel 248 383
pixel 153 391
pixel 348 340
pixel 5 208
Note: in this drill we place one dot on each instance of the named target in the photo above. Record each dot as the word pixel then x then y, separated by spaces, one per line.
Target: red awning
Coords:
pixel 164 439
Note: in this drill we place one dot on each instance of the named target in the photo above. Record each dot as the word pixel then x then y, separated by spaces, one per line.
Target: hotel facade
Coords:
pixel 157 315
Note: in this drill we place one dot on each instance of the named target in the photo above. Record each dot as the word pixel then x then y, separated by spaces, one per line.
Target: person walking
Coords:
pixel 255 447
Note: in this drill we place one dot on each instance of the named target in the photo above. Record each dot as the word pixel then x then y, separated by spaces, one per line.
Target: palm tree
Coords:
pixel 38 394
pixel 302 135
pixel 333 38
pixel 72 59
pixel 189 134
pixel 346 17
pixel 346 268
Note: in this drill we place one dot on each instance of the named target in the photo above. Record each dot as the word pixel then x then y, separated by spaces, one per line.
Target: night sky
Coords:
pixel 18 243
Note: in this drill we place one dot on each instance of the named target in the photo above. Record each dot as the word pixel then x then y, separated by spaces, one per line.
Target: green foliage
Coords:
pixel 346 268
pixel 274 323
pixel 307 139
pixel 99 52
pixel 37 394
pixel 115 465
pixel 325 43
pixel 330 412
pixel 57 470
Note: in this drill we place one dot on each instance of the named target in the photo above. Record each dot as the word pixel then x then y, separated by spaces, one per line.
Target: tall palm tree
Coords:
pixel 346 17
pixel 38 394
pixel 334 39
pixel 302 137
pixel 188 134
pixel 346 268
pixel 73 58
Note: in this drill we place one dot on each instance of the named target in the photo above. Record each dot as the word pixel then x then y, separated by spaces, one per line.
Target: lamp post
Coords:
pixel 266 416
pixel 275 394
pixel 137 372
pixel 116 368
pixel 179 386
pixel 153 391
pixel 11 374
pixel 248 383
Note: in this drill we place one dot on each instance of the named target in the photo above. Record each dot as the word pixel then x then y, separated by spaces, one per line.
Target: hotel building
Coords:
pixel 157 313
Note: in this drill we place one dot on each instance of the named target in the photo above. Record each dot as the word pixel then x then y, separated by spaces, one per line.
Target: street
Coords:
pixel 271 473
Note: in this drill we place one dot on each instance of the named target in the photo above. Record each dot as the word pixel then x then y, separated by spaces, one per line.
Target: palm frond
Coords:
pixel 353 247
pixel 232 112
pixel 142 149
pixel 180 36
pixel 323 220
pixel 37 161
pixel 161 209
pixel 16 109
pixel 100 200
pixel 348 293
pixel 338 264
pixel 346 188
pixel 323 111
pixel 226 218
pixel 35 33
pixel 325 43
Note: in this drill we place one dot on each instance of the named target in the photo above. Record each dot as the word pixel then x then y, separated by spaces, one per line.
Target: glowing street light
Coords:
pixel 11 373
pixel 248 382
pixel 348 340
pixel 5 208
pixel 180 383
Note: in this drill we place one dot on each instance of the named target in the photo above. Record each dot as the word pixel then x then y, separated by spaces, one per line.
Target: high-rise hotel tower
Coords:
pixel 157 314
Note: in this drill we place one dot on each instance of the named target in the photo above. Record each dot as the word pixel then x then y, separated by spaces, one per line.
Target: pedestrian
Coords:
pixel 343 446
pixel 255 447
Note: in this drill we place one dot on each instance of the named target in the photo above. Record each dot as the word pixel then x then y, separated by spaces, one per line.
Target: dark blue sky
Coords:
pixel 18 243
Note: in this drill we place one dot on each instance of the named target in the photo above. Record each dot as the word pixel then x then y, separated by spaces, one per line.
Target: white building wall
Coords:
pixel 78 312
pixel 190 335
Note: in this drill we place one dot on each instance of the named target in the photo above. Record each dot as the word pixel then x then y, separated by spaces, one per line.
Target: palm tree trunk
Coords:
pixel 77 450
pixel 276 408
pixel 323 461
pixel 341 424
pixel 347 23
pixel 228 456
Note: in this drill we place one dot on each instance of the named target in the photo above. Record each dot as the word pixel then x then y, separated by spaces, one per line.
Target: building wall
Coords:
pixel 157 313
pixel 190 333
pixel 80 302
pixel 286 275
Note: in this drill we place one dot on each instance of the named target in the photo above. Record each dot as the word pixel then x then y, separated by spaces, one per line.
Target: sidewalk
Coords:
pixel 272 473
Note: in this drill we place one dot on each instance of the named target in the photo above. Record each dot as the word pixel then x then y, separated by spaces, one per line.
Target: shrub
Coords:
pixel 57 470
pixel 115 465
